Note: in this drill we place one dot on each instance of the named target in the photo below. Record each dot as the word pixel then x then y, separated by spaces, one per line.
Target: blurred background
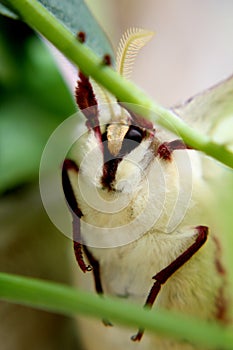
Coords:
pixel 191 51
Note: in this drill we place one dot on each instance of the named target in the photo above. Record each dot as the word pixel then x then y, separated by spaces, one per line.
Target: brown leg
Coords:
pixel 75 211
pixel 78 247
pixel 96 273
pixel 165 149
pixel 96 270
pixel 162 276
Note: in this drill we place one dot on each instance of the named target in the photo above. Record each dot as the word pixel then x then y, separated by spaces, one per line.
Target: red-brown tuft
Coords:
pixel 84 93
pixel 87 102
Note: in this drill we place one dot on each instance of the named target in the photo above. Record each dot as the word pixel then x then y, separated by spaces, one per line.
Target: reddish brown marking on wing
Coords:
pixel 221 301
pixel 81 36
pixel 87 102
pixel 219 266
pixel 165 149
pixel 221 306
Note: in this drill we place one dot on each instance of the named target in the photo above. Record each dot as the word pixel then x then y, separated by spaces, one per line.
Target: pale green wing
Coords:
pixel 211 112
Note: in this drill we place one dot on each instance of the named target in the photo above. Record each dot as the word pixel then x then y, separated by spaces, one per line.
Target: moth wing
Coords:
pixel 211 112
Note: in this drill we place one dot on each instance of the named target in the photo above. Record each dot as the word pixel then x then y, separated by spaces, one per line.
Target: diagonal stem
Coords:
pixel 33 13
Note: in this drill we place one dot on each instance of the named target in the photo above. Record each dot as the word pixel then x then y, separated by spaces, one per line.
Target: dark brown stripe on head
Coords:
pixel 109 172
pixel 132 139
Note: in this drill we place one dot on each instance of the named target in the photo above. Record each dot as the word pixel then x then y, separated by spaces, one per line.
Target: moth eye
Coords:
pixel 134 134
pixel 104 136
pixel 132 139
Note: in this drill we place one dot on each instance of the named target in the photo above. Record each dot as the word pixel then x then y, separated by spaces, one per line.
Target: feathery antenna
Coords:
pixel 131 42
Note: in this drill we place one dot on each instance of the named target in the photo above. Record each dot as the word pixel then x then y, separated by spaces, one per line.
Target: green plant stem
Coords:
pixel 65 300
pixel 33 13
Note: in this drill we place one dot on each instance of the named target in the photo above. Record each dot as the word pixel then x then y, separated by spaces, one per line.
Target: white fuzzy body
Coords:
pixel 168 192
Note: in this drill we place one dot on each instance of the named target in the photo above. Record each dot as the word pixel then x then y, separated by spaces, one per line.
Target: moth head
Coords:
pixel 117 139
pixel 115 136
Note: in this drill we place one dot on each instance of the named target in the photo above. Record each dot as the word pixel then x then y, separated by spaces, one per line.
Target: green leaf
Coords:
pixel 74 15
pixel 45 23
pixel 33 101
pixel 33 97
pixel 5 11
pixel 69 301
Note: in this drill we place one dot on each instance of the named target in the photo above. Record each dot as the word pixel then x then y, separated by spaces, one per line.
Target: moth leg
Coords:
pixel 70 165
pixel 97 279
pixel 77 214
pixel 162 276
pixel 78 247
pixel 96 270
pixel 165 149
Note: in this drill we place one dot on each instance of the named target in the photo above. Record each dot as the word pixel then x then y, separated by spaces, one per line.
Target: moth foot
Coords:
pixel 138 336
pixel 89 268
